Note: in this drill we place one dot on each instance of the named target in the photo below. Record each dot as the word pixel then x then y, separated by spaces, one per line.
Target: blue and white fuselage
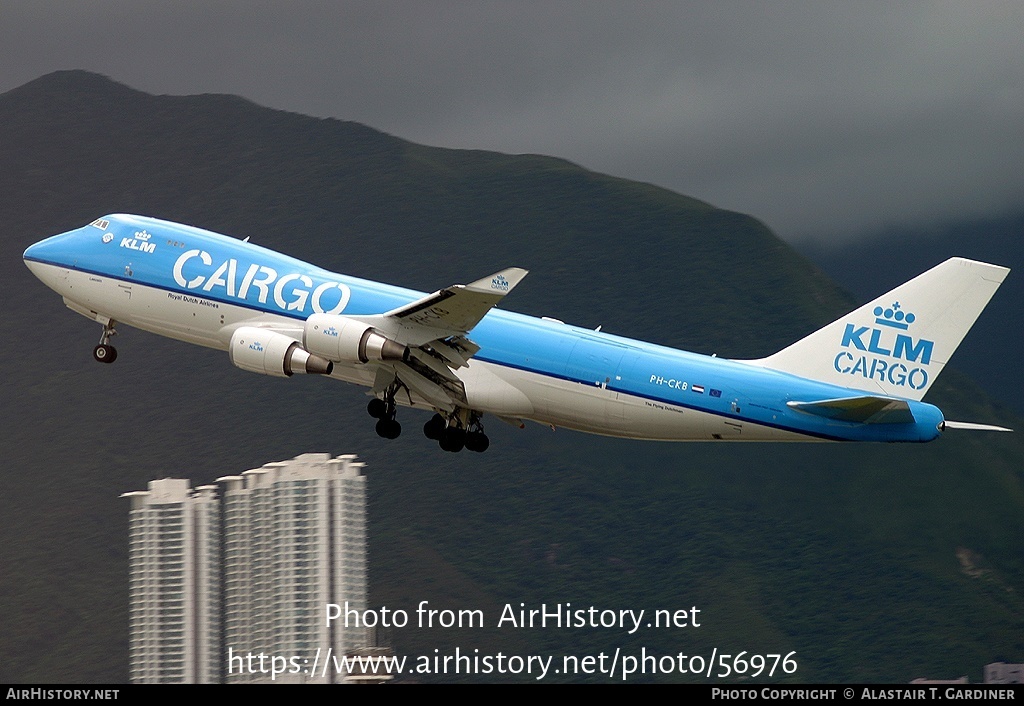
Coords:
pixel 860 379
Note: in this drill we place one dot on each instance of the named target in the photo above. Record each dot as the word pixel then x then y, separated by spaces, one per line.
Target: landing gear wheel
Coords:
pixel 453 439
pixel 383 410
pixel 104 353
pixel 388 428
pixel 477 441
pixel 434 427
pixel 377 408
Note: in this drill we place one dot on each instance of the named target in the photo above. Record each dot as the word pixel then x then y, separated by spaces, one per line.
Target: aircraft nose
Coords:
pixel 51 251
pixel 34 251
pixel 47 257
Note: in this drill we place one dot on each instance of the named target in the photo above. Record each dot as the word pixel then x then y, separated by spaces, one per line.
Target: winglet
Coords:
pixel 500 282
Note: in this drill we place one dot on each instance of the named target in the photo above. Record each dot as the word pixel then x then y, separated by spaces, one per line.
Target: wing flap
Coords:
pixel 865 409
pixel 437 365
pixel 425 388
pixel 455 357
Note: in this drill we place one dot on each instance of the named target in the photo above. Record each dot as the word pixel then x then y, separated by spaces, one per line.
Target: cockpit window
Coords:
pixel 100 223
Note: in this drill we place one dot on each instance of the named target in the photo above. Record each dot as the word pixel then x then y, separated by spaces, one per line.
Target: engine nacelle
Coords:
pixel 259 350
pixel 345 340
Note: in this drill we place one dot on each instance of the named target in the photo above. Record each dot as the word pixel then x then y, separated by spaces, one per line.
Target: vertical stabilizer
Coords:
pixel 897 344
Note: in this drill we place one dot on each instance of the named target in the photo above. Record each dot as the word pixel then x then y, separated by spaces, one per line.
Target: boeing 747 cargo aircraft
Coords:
pixel 453 353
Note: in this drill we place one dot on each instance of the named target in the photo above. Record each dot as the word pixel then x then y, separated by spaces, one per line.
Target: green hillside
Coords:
pixel 872 562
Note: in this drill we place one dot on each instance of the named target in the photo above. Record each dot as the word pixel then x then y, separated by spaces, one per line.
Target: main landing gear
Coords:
pixel 461 430
pixel 454 434
pixel 384 412
pixel 104 352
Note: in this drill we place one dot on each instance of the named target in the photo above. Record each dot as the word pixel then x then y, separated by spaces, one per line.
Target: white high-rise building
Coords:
pixel 174 590
pixel 294 541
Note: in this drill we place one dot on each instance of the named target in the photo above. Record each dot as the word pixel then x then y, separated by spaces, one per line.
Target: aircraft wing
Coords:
pixel 867 409
pixel 435 329
pixel 455 309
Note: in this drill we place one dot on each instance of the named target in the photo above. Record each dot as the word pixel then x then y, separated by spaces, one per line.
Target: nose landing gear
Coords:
pixel 104 352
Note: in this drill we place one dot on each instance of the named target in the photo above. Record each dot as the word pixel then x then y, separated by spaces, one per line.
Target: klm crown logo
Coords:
pixel 499 283
pixel 894 316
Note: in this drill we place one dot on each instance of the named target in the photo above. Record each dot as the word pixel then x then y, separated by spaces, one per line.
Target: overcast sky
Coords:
pixel 824 120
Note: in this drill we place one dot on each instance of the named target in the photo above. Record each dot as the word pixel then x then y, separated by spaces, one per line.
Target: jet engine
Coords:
pixel 345 340
pixel 260 350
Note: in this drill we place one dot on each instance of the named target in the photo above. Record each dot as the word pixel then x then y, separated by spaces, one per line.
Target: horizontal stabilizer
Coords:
pixel 866 409
pixel 972 426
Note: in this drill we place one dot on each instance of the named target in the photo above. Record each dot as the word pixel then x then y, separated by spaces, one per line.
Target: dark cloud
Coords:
pixel 823 120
